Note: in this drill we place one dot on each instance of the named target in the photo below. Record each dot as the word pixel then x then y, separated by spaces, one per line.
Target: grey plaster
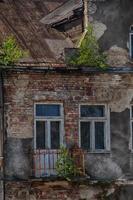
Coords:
pixel 120 138
pixel 117 163
pixel 18 158
pixel 117 15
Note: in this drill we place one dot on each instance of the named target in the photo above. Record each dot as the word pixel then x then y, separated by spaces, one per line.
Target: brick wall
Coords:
pixel 22 90
pixel 63 190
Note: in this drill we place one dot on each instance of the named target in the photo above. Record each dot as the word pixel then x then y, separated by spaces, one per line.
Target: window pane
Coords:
pixel 132 112
pixel 55 135
pixel 99 135
pixel 47 110
pixel 92 111
pixel 40 135
pixel 132 135
pixel 85 135
pixel 131 46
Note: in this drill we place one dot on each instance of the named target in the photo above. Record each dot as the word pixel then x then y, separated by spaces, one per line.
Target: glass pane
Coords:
pixel 132 135
pixel 132 46
pixel 92 111
pixel 99 135
pixel 47 110
pixel 132 112
pixel 40 135
pixel 55 135
pixel 85 135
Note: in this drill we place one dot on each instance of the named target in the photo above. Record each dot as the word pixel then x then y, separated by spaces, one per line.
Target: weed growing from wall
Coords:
pixel 10 52
pixel 89 52
pixel 65 165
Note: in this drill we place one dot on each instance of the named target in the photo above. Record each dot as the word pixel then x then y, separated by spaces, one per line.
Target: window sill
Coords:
pixel 97 152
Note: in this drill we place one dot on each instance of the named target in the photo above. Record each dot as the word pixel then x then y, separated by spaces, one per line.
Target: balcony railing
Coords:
pixel 45 162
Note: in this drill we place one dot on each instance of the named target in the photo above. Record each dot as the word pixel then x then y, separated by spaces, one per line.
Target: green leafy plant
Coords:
pixel 89 52
pixel 10 52
pixel 65 166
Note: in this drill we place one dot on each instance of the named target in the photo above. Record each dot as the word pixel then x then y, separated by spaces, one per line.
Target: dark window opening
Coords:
pixel 40 134
pixel 99 135
pixel 47 110
pixel 55 135
pixel 85 135
pixel 92 111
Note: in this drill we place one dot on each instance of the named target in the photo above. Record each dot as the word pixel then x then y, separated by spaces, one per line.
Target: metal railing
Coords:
pixel 45 162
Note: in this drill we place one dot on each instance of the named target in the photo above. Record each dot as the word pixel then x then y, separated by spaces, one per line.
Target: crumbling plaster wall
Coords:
pixel 112 21
pixel 23 90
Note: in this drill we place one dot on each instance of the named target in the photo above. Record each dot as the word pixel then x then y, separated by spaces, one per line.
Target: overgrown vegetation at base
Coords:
pixel 89 52
pixel 65 165
pixel 10 52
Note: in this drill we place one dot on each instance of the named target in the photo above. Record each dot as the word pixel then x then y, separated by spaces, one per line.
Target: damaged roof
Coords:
pixel 63 12
pixel 22 18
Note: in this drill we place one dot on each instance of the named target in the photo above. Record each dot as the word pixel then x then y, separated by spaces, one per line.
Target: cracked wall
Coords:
pixel 112 21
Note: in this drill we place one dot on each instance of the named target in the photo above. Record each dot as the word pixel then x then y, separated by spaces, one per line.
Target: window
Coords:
pixel 48 126
pixel 131 41
pixel 94 128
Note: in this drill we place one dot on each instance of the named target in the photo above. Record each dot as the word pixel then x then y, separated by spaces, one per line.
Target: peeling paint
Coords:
pixel 117 56
pixel 123 102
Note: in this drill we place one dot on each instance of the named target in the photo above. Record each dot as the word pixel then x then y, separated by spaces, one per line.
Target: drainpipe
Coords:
pixel 85 21
pixel 85 2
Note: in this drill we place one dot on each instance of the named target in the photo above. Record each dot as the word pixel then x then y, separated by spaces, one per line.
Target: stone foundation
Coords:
pixel 63 190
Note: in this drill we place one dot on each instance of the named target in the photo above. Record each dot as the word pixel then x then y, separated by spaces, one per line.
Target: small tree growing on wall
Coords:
pixel 10 52
pixel 65 165
pixel 89 52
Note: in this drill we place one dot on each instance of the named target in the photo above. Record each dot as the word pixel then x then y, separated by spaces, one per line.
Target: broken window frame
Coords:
pixel 48 120
pixel 92 120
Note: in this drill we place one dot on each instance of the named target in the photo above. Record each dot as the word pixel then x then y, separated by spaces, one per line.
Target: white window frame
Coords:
pixel 131 130
pixel 130 46
pixel 92 121
pixel 48 120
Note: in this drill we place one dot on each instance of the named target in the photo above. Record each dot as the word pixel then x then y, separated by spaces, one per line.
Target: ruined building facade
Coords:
pixel 46 105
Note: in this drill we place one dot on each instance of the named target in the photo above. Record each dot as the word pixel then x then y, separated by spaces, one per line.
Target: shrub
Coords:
pixel 10 52
pixel 89 52
pixel 65 166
